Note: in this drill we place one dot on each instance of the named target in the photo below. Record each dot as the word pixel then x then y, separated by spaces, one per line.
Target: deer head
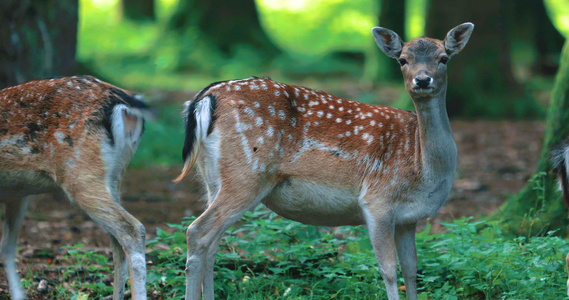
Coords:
pixel 423 60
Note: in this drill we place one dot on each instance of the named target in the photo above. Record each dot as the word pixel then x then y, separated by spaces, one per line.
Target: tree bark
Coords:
pixel 481 81
pixel 138 10
pixel 38 39
pixel 223 24
pixel 531 25
pixel 538 208
pixel 392 16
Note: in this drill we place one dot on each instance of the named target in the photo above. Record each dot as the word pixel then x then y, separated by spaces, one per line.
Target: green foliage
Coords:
pixel 415 18
pixel 145 55
pixel 475 260
pixel 89 270
pixel 87 273
pixel 265 257
pixel 326 25
pixel 162 140
pixel 538 207
pixel 558 10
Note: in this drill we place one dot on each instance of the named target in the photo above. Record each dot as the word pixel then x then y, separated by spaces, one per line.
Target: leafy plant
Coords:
pixel 88 271
pixel 265 256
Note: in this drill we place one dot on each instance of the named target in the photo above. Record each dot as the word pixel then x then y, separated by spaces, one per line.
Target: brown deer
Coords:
pixel 74 135
pixel 318 159
pixel 560 161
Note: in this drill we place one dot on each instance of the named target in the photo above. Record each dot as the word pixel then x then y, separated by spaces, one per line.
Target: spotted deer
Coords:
pixel 322 160
pixel 74 135
pixel 560 161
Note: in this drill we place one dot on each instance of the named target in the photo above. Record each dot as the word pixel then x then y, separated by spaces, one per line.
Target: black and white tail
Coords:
pixel 560 160
pixel 199 116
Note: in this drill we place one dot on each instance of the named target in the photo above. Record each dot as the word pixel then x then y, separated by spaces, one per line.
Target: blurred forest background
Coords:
pixel 170 49
pixel 506 71
pixel 508 100
pixel 185 44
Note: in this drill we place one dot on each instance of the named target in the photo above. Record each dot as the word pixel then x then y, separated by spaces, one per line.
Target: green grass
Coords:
pixel 268 257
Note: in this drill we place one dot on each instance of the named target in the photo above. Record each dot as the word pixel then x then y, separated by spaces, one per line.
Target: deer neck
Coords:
pixel 436 142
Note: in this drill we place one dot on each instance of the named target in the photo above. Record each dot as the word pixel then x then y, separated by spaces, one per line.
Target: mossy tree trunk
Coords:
pixel 38 39
pixel 538 208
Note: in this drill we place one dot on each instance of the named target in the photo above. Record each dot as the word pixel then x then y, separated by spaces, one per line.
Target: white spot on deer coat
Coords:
pixel 59 136
pixel 249 111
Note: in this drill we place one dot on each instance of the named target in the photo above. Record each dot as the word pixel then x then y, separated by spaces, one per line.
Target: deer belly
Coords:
pixel 23 183
pixel 316 204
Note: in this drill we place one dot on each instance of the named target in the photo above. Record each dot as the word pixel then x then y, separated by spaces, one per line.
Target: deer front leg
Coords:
pixel 381 228
pixel 13 218
pixel 407 253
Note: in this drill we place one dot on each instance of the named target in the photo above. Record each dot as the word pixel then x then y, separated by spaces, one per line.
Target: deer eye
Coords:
pixel 444 60
pixel 402 61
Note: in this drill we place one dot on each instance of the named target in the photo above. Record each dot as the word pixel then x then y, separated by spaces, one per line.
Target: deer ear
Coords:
pixel 388 41
pixel 457 38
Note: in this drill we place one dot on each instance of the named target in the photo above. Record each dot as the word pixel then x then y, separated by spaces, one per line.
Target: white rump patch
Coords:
pixel 126 126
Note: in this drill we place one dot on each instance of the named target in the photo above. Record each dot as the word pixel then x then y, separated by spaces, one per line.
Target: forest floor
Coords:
pixel 495 161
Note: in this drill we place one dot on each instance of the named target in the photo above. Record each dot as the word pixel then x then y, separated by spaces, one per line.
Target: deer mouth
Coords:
pixel 426 90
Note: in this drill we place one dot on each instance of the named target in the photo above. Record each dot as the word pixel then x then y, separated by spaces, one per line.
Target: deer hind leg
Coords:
pixel 91 194
pixel 212 183
pixel 207 285
pixel 381 227
pixel 204 234
pixel 13 218
pixel 407 253
pixel 121 268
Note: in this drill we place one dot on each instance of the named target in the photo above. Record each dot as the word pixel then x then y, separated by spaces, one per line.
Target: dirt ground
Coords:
pixel 495 161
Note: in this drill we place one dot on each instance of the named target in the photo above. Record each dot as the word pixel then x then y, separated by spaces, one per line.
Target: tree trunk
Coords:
pixel 538 208
pixel 138 10
pixel 38 39
pixel 223 24
pixel 481 82
pixel 391 16
pixel 531 27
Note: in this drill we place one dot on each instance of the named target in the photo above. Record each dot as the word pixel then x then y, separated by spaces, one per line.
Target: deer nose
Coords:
pixel 423 81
